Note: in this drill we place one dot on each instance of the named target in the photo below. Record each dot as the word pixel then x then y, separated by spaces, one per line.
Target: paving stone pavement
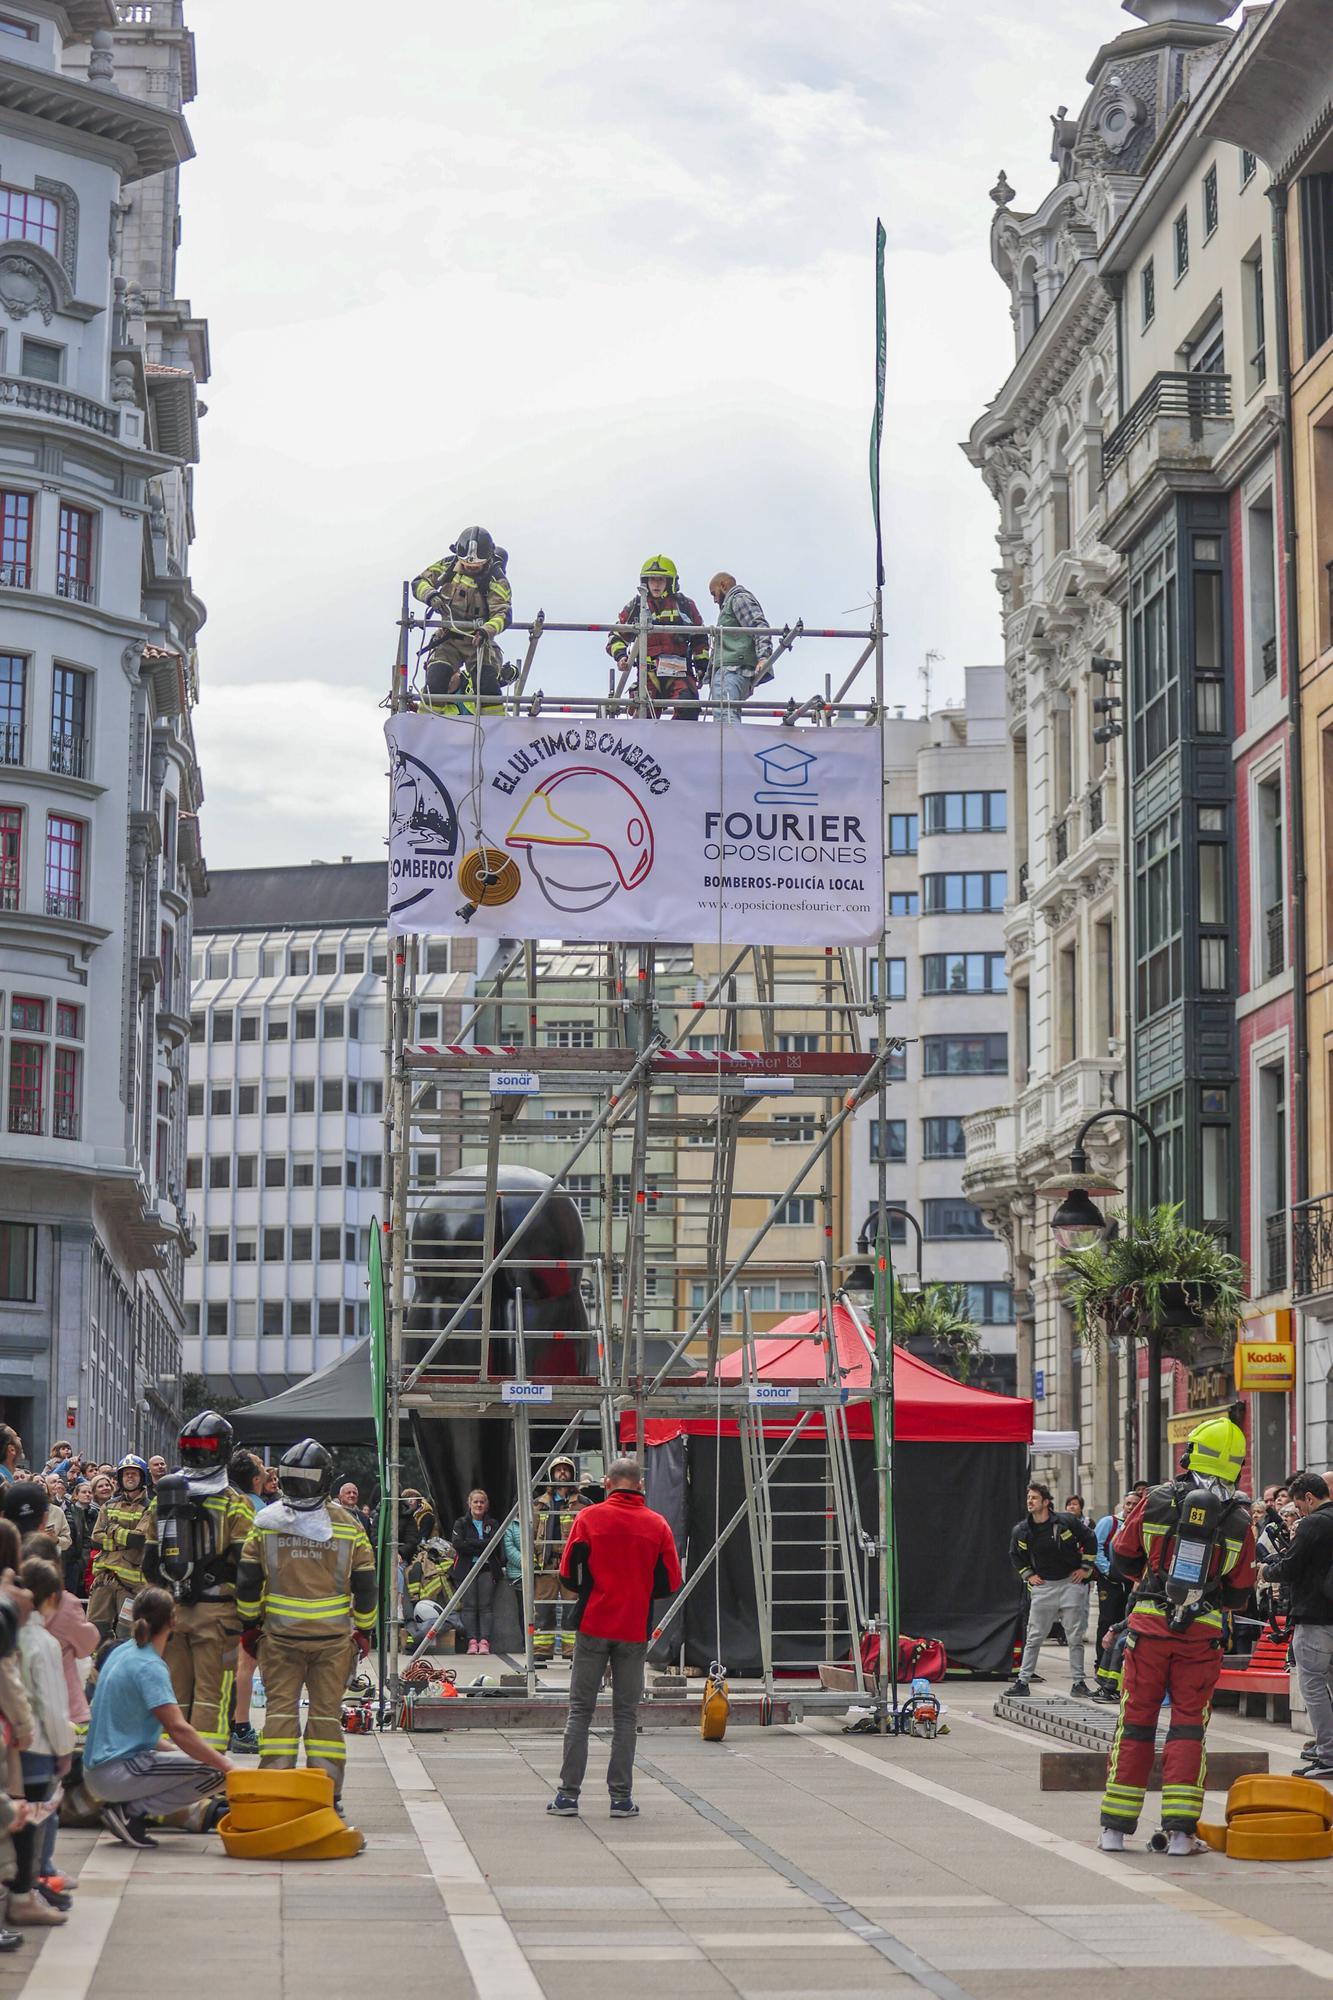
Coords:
pixel 778 1864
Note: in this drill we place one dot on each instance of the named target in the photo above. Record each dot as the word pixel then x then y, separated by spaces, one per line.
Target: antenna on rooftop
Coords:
pixel 926 672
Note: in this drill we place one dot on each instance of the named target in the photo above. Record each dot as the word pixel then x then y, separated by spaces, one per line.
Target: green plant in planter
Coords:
pixel 1155 1275
pixel 939 1314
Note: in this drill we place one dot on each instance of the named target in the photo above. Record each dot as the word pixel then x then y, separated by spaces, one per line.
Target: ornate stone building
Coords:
pixel 99 784
pixel 1039 447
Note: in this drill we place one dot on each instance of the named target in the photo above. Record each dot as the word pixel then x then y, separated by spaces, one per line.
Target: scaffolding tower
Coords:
pixel 653 1094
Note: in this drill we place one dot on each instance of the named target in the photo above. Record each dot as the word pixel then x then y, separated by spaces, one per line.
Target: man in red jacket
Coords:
pixel 619 1556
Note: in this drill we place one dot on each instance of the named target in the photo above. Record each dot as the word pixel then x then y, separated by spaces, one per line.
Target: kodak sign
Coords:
pixel 1268 1359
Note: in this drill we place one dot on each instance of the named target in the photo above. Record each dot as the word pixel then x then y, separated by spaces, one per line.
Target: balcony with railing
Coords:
pixel 1060 834
pixel 25 1116
pixel 1275 941
pixel 1268 656
pixel 16 575
pixel 69 754
pixel 76 588
pixel 1096 808
pixel 1275 1253
pixel 61 903
pixel 1178 416
pixel 11 743
pixel 48 399
pixel 64 1123
pixel 1024 875
pixel 1312 1247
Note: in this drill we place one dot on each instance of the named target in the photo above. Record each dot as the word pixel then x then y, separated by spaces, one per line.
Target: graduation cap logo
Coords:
pixel 787 770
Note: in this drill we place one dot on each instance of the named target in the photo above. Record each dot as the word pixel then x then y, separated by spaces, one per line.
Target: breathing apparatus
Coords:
pixel 188 1556
pixel 1211 1464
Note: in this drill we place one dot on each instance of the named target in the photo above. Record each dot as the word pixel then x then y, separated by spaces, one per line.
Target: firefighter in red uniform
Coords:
pixel 1191 1546
pixel 677 660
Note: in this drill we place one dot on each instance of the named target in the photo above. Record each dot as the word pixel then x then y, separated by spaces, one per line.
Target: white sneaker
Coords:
pixel 1112 1840
pixel 1180 1843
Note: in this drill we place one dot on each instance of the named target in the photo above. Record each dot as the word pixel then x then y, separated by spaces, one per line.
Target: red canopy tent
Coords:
pixel 930 1407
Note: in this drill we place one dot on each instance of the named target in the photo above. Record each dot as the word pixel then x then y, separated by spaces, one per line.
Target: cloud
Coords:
pixel 600 276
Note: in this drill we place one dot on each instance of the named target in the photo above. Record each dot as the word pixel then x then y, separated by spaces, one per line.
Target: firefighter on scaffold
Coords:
pixel 1191 1546
pixel 677 660
pixel 196 1532
pixel 552 1519
pixel 471 593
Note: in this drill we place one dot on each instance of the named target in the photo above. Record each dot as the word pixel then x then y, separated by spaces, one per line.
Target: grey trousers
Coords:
pixel 591 1657
pixel 153 1781
pixel 1050 1604
pixel 1312 1650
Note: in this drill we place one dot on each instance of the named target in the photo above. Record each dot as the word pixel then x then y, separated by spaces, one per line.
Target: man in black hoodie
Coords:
pixel 1053 1554
pixel 1306 1568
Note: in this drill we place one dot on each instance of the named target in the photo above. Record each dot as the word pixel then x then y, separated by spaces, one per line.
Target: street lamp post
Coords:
pixel 1078 1222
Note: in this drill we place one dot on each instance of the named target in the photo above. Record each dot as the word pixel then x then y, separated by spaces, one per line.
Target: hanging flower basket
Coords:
pixel 1156 1275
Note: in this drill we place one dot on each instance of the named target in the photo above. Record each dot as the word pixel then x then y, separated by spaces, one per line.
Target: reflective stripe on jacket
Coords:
pixel 308 1590
pixel 119 1537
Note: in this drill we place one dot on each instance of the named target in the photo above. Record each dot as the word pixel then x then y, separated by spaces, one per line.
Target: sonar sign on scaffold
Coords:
pixel 634 831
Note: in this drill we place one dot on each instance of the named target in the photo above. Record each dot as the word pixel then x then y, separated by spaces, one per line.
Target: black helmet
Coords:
pixel 305 1475
pixel 475 545
pixel 205 1443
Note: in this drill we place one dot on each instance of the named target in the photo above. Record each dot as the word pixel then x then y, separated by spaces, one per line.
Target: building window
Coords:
pixel 303 1170
pixel 903 902
pixel 1249 166
pixel 64 867
pixel 330 1246
pixel 942 1139
pixel 247 1170
pixel 331 1094
pixel 1272 1181
pixel 18 1263
pixel 951 1218
pixel 65 1095
pixel 13 693
pixel 896 974
pixel 302 1244
pixel 1157 914
pixel 1267 862
pixel 1261 589
pixel 300 961
pixel 248 1028
pixel 793 1128
pixel 963 972
pixel 333 1024
pixel 223 1024
pixel 41 360
pixel 1252 318
pixel 278 1025
pixel 194 1101
pixel 219 1100
pixel 571 1035
pixel 305 1024
pixel 28 1016
pixel 965 1055
pixel 892 1143
pixel 1209 688
pixel 11 856
pixel 16 540
pixel 303 1094
pixel 1182 243
pixel 326 961
pixel 1147 295
pixel 194 1171
pixel 219 1171
pixel 74 554
pixel 902 833
pixel 275 1244
pixel 803 1043
pixel 27 1078
pixel 989 1304
pixel 29 218
pixel 964 812
pixel 354 961
pixel 796 1213
pixel 975 890
pixel 23 31
pixel 1154 686
pixel 330 1169
pixel 1209 202
pixel 275 1170
pixel 219 1247
pixel 1316 199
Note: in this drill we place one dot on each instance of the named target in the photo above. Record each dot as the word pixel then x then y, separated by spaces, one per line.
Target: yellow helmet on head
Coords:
pixel 658 566
pixel 1217 1450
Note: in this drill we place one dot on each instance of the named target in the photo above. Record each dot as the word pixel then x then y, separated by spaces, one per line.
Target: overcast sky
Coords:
pixel 599 275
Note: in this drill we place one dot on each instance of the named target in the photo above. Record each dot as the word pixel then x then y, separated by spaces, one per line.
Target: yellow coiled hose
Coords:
pixel 285 1816
pixel 1274 1819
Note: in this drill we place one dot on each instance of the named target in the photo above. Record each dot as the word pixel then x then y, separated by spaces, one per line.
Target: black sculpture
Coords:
pixel 545 1266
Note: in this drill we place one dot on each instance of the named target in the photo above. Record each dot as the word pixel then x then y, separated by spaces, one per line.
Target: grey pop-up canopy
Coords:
pixel 336 1405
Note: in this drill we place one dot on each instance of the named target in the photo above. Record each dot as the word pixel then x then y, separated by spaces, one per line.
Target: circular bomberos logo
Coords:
pixel 488 876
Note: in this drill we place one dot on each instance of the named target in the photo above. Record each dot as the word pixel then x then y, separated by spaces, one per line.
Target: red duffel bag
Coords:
pixel 918 1659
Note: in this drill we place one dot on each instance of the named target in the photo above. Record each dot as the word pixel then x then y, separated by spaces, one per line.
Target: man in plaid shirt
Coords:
pixel 741 653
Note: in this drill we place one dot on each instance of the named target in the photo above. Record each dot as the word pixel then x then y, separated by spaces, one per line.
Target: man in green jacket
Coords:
pixel 741 654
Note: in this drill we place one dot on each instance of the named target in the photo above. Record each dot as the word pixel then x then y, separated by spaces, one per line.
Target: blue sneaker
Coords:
pixel 624 1809
pixel 565 1805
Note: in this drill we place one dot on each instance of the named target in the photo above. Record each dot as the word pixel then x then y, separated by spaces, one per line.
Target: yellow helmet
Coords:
pixel 1217 1450
pixel 654 566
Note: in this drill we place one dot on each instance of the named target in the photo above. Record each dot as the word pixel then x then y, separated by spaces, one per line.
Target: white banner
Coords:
pixel 634 831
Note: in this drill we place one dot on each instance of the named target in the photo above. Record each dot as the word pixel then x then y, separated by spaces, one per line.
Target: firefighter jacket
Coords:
pixel 301 1588
pixel 1052 1549
pixel 486 596
pixel 430 1577
pixel 118 1539
pixel 227 1520
pixel 552 1519
pixel 684 651
pixel 1146 1546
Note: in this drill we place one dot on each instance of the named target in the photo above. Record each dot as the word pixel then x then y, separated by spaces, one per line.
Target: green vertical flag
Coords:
pixel 877 428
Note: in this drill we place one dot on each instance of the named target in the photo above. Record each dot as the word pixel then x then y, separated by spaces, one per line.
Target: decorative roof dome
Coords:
pixel 1197 13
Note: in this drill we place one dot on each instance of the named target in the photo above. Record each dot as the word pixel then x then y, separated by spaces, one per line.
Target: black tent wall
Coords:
pixel 955 1506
